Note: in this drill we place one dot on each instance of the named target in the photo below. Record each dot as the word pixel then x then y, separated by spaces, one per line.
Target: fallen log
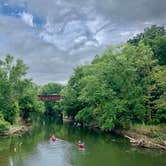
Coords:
pixel 144 143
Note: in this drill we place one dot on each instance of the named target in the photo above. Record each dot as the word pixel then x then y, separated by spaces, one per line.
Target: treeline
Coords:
pixel 18 95
pixel 124 86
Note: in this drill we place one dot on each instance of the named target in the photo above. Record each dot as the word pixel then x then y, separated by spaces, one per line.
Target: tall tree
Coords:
pixel 155 38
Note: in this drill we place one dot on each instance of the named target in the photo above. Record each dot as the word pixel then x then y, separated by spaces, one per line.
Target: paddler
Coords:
pixel 53 138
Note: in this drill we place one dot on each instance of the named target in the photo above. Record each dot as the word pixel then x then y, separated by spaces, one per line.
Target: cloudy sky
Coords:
pixel 54 36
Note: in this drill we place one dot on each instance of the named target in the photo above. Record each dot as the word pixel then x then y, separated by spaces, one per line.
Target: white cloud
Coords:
pixel 66 35
pixel 80 39
pixel 100 37
pixel 127 33
pixel 27 18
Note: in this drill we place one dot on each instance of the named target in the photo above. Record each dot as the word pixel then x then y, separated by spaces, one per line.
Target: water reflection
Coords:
pixel 36 149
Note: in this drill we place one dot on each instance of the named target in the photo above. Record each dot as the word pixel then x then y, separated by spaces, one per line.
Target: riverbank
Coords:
pixel 16 130
pixel 145 136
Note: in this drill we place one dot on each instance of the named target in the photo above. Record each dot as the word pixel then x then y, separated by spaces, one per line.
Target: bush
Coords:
pixel 4 126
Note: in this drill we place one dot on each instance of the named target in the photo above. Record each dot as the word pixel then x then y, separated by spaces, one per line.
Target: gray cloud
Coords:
pixel 126 9
pixel 141 10
pixel 47 62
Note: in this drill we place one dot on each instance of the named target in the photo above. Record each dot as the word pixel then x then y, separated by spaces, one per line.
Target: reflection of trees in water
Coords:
pixel 4 151
pixel 26 145
pixel 99 145
pixel 18 146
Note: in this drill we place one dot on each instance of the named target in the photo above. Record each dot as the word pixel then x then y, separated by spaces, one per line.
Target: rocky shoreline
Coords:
pixel 17 131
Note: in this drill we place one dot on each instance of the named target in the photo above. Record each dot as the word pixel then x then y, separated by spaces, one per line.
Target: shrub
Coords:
pixel 4 126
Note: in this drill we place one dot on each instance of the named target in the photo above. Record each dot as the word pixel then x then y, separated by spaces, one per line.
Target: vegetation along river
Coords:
pixel 35 148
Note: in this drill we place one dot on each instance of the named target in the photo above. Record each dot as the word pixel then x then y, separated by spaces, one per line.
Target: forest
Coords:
pixel 126 85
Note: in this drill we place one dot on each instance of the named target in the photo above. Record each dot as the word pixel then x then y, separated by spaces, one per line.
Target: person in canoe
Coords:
pixel 53 138
pixel 81 144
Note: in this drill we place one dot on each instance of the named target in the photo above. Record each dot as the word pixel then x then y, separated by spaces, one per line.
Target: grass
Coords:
pixel 150 131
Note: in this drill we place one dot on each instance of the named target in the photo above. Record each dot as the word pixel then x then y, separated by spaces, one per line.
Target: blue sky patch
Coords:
pixel 16 12
pixel 12 11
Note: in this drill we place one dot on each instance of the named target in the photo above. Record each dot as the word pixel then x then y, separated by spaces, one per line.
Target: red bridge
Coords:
pixel 49 97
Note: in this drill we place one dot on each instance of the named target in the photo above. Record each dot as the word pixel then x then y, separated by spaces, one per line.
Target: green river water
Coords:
pixel 34 148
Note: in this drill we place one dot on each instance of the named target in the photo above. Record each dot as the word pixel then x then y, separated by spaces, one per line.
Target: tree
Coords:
pixel 17 94
pixel 11 78
pixel 29 104
pixel 155 38
pixel 159 114
pixel 116 90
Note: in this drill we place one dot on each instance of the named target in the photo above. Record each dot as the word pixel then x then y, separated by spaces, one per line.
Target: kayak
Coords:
pixel 81 146
pixel 53 138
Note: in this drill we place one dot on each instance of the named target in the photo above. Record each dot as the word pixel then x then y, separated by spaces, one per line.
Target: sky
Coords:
pixel 55 36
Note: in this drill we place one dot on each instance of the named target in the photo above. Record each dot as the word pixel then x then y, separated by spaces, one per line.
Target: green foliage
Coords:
pixel 51 88
pixel 70 103
pixel 85 115
pixel 159 75
pixel 4 126
pixel 10 81
pixel 12 113
pixel 155 38
pixel 14 89
pixel 29 103
pixel 27 107
pixel 117 89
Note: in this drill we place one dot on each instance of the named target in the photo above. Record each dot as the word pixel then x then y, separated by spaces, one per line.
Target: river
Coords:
pixel 34 148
